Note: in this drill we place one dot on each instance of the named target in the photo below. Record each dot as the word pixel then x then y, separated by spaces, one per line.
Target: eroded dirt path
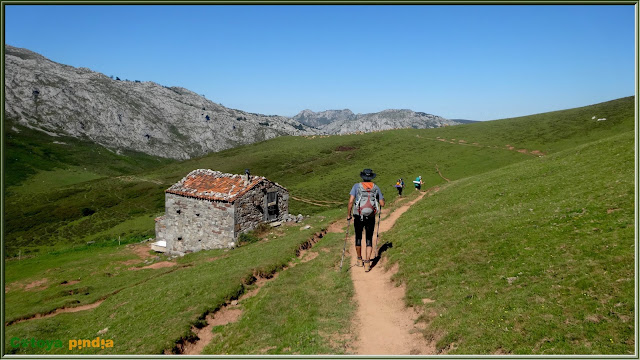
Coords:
pixel 232 311
pixel 97 303
pixel 60 311
pixel 439 173
pixel 315 202
pixel 506 147
pixel 384 325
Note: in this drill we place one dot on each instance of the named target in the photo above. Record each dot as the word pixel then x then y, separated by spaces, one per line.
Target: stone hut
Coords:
pixel 208 209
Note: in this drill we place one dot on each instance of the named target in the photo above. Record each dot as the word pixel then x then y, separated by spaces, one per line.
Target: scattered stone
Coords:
pixel 276 224
pixel 305 227
pixel 510 280
pixel 234 302
pixel 292 218
pixel 103 331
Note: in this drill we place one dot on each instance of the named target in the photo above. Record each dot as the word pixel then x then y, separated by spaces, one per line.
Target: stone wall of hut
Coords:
pixel 251 208
pixel 192 224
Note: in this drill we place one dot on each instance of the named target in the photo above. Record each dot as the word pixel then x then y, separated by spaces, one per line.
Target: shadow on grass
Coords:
pixel 386 246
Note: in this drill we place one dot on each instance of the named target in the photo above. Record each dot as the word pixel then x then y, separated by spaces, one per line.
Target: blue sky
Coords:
pixel 472 62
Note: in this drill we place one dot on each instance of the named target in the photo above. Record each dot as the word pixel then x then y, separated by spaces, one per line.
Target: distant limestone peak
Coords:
pixel 345 121
pixel 323 118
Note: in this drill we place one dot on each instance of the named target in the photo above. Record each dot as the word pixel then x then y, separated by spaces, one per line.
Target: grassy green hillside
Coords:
pixel 42 174
pixel 553 131
pixel 533 258
pixel 147 311
pixel 519 253
pixel 36 161
pixel 318 168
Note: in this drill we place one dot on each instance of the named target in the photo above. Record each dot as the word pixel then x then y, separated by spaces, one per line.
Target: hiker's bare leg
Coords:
pixel 369 250
pixel 359 251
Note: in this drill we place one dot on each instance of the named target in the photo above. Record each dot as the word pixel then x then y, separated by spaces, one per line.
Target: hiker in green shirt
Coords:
pixel 418 182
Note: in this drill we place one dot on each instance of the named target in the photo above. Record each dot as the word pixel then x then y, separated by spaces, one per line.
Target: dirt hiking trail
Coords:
pixel 384 326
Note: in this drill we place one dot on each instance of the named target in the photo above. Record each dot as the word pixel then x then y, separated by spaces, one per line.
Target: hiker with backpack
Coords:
pixel 365 201
pixel 418 182
pixel 400 186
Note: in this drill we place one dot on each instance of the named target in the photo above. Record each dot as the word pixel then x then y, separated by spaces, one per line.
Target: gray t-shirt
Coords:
pixel 354 191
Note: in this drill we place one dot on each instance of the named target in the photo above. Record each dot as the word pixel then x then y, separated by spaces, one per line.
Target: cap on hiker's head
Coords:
pixel 367 175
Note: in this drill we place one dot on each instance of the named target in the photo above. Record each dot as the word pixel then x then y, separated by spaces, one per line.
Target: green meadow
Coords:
pixel 527 246
pixel 153 308
pixel 533 258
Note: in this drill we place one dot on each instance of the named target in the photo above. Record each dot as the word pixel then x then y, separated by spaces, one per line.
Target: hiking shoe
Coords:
pixel 359 262
pixel 367 265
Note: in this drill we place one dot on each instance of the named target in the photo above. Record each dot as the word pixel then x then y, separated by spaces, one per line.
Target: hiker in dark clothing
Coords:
pixel 400 186
pixel 368 199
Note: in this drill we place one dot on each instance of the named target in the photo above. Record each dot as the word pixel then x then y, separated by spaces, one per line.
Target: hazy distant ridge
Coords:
pixel 345 121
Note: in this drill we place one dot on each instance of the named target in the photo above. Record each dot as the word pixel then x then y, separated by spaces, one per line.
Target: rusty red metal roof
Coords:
pixel 214 185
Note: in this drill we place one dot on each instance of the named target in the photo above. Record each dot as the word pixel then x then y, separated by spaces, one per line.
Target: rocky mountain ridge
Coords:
pixel 170 122
pixel 333 122
pixel 323 118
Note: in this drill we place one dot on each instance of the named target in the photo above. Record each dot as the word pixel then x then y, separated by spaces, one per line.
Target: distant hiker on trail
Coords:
pixel 365 201
pixel 399 185
pixel 418 182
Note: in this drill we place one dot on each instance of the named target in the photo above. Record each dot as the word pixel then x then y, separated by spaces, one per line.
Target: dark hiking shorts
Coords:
pixel 368 224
